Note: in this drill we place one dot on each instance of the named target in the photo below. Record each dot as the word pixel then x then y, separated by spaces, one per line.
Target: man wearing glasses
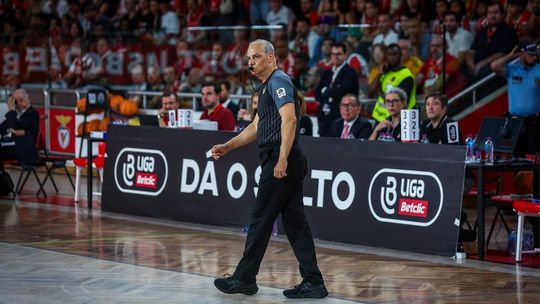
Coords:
pixel 351 125
pixel 334 84
pixel 19 131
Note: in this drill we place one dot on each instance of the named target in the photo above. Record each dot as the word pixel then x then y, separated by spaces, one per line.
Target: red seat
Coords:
pixel 524 208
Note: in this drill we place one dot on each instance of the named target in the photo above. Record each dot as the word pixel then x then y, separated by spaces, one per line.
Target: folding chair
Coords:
pixel 54 161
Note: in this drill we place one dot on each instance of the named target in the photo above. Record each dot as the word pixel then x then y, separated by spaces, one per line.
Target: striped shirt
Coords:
pixel 276 91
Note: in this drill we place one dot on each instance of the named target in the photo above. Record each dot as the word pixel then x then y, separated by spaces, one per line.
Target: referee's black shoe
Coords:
pixel 306 290
pixel 231 285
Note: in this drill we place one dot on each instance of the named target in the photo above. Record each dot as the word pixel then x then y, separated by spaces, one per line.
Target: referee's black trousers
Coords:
pixel 277 196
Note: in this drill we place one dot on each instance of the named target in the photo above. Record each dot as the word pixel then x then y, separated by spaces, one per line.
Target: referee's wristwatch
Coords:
pixel 159 116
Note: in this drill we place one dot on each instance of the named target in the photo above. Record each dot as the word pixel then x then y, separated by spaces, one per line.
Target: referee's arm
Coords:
pixel 288 131
pixel 248 135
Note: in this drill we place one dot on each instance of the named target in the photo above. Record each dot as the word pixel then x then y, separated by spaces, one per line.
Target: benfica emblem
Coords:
pixel 63 132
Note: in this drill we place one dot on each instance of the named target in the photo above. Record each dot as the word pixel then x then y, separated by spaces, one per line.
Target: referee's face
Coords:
pixel 258 60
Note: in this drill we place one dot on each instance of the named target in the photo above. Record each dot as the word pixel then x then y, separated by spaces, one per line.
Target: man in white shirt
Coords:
pixel 385 34
pixel 458 39
pixel 170 25
pixel 279 14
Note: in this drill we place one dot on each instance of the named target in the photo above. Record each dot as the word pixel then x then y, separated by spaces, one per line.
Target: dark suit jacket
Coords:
pixel 346 83
pixel 25 145
pixel 234 109
pixel 360 129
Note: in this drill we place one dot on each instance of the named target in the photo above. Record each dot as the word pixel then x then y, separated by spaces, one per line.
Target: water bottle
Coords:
pixel 469 144
pixel 382 136
pixel 477 153
pixel 488 148
pixel 424 139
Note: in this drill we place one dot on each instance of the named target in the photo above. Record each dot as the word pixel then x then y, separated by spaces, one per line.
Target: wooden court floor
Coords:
pixel 356 273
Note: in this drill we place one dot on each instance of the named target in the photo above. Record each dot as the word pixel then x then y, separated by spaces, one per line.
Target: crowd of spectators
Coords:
pixel 476 31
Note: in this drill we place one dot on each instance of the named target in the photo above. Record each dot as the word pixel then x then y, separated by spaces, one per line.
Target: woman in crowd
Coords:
pixel 395 100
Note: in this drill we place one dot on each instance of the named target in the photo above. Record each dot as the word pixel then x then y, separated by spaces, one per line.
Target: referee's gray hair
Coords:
pixel 399 92
pixel 267 45
pixel 24 93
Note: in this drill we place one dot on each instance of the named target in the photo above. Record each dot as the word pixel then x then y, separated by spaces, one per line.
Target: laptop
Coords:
pixel 504 133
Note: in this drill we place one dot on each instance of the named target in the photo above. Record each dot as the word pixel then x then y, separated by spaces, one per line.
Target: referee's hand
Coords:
pixel 218 151
pixel 280 170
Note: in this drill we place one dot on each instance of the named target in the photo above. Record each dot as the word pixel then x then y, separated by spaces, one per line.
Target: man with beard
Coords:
pixel 394 74
pixel 213 110
pixel 458 39
pixel 491 43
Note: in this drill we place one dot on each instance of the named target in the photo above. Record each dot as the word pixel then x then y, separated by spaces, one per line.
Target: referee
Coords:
pixel 276 130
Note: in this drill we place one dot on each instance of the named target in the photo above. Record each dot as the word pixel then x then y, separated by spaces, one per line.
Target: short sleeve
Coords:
pixel 281 89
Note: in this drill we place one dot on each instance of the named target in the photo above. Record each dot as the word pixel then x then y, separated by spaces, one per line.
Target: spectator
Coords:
pixel 280 14
pixel 192 84
pixel 418 37
pixel 385 34
pixel 20 129
pixel 170 24
pixel 185 60
pixel 370 18
pixel 458 7
pixel 55 77
pixel 326 50
pixel 430 78
pixel 458 40
pixel 169 101
pixel 247 115
pixel 313 78
pixel 435 126
pixel 491 43
pixel 300 42
pixel 170 79
pixel 408 59
pixel 305 124
pixel 351 125
pixel 441 8
pixel 213 110
pixel 377 63
pixel 153 77
pixel 518 17
pixel 479 20
pixel 258 10
pixel 309 12
pixel 225 98
pixel 301 66
pixel 145 17
pixel 393 75
pixel 213 63
pixel 138 78
pixel 532 29
pixel 335 84
pixel 395 100
pixel 523 93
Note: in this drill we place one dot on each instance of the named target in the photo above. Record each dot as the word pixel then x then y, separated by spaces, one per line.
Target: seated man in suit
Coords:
pixel 351 125
pixel 19 131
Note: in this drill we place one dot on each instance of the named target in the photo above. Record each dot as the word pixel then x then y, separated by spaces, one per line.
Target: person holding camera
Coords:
pixel 394 74
pixel 20 129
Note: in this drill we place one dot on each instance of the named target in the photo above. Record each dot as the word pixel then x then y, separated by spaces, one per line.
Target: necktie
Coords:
pixel 345 133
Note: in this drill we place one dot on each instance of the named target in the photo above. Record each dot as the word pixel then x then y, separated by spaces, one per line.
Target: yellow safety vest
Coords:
pixel 389 80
